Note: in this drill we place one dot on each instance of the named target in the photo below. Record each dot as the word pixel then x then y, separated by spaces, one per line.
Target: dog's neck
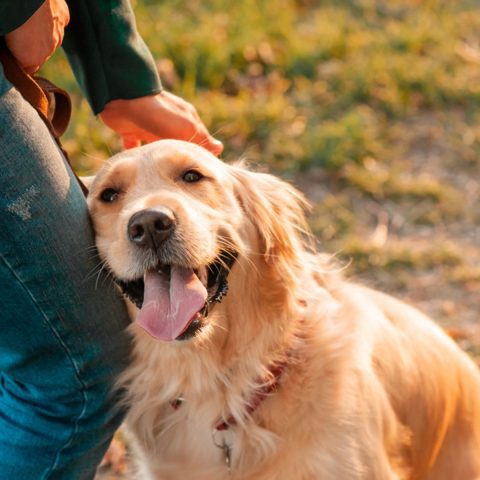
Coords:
pixel 269 385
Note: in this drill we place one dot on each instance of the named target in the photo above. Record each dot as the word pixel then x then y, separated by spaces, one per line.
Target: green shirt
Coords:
pixel 14 13
pixel 107 55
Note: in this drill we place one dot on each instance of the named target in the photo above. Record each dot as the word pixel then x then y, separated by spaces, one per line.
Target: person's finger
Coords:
pixel 205 140
pixel 32 70
pixel 215 146
pixel 130 141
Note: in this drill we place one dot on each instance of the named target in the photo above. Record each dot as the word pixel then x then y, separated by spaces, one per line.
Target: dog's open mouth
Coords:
pixel 174 301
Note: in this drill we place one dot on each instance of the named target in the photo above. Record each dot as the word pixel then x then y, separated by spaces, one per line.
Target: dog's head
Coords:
pixel 171 221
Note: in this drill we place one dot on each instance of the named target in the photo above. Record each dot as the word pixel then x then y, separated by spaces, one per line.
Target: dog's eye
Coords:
pixel 192 176
pixel 109 195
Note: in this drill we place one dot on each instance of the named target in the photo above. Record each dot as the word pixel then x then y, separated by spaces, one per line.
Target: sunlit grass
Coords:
pixel 326 75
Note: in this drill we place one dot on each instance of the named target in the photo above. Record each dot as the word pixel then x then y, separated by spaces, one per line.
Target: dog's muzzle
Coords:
pixel 215 280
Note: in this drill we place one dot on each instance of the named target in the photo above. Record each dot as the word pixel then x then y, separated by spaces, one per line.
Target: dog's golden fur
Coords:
pixel 373 389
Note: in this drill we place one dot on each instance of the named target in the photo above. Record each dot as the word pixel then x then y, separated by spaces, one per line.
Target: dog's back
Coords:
pixel 434 389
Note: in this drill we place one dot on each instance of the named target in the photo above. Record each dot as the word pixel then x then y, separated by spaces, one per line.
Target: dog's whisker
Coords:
pixel 201 143
pixel 97 270
pixel 219 326
pixel 98 276
pixel 91 248
pixel 107 277
pixel 93 272
pixel 97 158
pixel 91 252
pixel 218 130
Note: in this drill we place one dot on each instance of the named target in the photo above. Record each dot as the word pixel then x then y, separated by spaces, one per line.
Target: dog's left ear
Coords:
pixel 276 209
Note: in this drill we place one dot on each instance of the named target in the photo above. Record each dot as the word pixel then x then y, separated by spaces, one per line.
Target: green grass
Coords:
pixel 302 83
pixel 380 97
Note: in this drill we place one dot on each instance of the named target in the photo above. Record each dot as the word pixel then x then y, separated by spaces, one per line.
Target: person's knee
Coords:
pixel 91 406
pixel 54 430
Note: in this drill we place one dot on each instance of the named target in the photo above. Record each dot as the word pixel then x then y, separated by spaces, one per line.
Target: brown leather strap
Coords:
pixel 25 84
pixel 51 102
pixel 60 106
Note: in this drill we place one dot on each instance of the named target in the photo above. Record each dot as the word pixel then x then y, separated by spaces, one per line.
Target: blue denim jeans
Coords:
pixel 62 325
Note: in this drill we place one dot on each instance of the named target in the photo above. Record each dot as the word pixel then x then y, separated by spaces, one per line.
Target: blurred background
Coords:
pixel 369 107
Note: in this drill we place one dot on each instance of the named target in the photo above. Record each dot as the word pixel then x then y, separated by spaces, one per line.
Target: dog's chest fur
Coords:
pixel 180 436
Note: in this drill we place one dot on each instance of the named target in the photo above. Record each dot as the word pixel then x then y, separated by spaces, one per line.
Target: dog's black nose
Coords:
pixel 150 228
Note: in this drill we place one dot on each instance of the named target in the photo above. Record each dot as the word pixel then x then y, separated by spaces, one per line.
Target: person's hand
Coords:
pixel 154 117
pixel 35 41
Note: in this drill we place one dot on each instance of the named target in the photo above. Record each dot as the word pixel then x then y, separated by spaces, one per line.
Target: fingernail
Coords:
pixel 218 145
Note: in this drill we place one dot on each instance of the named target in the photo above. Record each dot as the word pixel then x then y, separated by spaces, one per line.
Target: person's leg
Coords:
pixel 62 325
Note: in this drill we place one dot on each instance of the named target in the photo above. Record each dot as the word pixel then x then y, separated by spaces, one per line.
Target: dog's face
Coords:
pixel 166 221
pixel 171 220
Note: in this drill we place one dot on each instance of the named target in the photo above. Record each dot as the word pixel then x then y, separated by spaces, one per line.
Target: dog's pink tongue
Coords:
pixel 169 306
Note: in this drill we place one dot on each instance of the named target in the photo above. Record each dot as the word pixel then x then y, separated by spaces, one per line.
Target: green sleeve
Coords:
pixel 14 13
pixel 108 57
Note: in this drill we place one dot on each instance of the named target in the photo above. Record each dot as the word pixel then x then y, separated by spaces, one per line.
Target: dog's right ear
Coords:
pixel 87 181
pixel 276 209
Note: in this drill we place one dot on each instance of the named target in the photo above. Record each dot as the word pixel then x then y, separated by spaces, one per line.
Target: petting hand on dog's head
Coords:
pixel 155 117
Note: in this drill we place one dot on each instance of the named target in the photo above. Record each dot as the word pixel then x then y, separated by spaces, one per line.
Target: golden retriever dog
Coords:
pixel 253 358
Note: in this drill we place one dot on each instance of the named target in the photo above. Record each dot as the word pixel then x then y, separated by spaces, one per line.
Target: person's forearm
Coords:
pixel 108 57
pixel 33 42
